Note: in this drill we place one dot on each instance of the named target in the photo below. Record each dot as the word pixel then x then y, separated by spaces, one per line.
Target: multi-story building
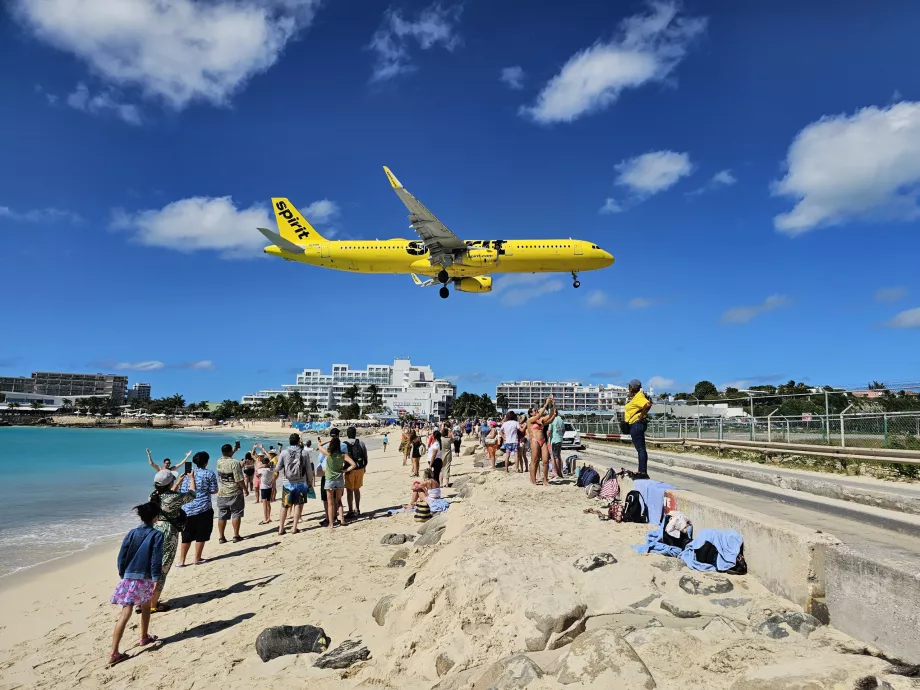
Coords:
pixel 16 384
pixel 402 386
pixel 139 391
pixel 80 385
pixel 569 395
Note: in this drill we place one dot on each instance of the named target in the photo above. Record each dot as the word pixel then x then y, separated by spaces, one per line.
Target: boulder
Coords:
pixel 469 450
pixel 410 581
pixel 601 658
pixel 396 539
pixel 594 561
pixel 396 563
pixel 346 654
pixel 466 491
pixel 437 521
pixel 291 639
pixel 779 625
pixel 677 611
pixel 552 613
pixel 510 673
pixel 567 636
pixel 730 603
pixel 443 664
pixel 820 673
pixel 432 536
pixel 380 610
pixel 400 555
pixel 705 585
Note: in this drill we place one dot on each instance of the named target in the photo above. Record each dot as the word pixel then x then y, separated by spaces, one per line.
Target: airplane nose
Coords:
pixel 607 258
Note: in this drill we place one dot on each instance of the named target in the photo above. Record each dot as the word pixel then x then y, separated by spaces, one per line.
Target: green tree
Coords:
pixel 502 401
pixel 705 390
pixel 313 406
pixel 485 407
pixel 295 402
pixel 351 393
pixel 373 396
pixel 13 406
pixel 350 411
pixel 36 404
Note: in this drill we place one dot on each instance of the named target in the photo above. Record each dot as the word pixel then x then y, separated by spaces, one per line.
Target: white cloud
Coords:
pixel 660 383
pixel 863 166
pixel 102 102
pixel 891 294
pixel 322 211
pixel 647 49
pixel 435 25
pixel 723 178
pixel 909 318
pixel 513 77
pixel 610 207
pixel 745 314
pixel 201 365
pixel 642 302
pixel 597 298
pixel 653 172
pixel 515 289
pixel 175 50
pixel 151 365
pixel 41 215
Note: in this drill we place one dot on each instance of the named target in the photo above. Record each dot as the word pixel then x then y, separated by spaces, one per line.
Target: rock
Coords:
pixel 517 671
pixel 400 555
pixel 802 623
pixel 346 654
pixel 668 564
pixel 410 581
pixel 779 625
pixel 557 640
pixel 291 639
pixel 396 539
pixel 594 561
pixel 438 521
pixel 480 478
pixel 552 613
pixel 820 673
pixel 469 450
pixel 602 655
pixel 730 603
pixel 642 603
pixel 431 537
pixel 443 664
pixel 773 628
pixel 692 584
pixel 380 610
pixel 677 611
pixel 479 463
pixel 396 563
pixel 467 490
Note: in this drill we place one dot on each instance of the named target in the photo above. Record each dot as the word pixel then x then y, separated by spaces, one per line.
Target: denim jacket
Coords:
pixel 141 554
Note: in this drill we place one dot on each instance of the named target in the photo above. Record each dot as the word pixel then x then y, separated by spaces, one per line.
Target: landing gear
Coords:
pixel 443 277
pixel 445 293
pixel 575 282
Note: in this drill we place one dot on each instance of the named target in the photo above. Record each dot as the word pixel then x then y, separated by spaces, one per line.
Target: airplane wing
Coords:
pixel 439 241
pixel 427 283
pixel 280 242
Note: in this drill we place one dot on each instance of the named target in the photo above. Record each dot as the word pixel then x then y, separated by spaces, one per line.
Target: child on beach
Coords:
pixel 140 563
pixel 385 441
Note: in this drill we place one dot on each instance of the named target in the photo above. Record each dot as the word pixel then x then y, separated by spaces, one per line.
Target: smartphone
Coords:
pixel 237 446
pixel 188 468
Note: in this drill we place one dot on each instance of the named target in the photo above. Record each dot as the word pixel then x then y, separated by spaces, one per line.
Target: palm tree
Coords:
pixel 295 403
pixel 351 393
pixel 13 405
pixel 502 400
pixel 313 405
pixel 36 405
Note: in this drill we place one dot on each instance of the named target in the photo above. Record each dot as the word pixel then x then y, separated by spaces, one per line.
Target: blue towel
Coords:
pixel 653 495
pixel 727 542
pixel 653 545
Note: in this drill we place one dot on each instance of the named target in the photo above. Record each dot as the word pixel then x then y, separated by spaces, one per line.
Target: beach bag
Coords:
pixel 610 488
pixel 593 490
pixel 615 511
pixel 634 508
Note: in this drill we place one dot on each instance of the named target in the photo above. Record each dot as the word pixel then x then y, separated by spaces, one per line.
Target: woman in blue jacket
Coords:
pixel 140 567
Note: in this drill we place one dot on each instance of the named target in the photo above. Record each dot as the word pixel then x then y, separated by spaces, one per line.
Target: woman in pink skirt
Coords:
pixel 140 566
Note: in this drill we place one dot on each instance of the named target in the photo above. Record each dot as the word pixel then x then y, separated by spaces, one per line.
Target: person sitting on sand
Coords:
pixel 420 489
pixel 167 463
pixel 170 523
pixel 140 566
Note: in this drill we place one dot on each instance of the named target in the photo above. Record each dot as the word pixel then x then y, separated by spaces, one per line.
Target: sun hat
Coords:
pixel 164 478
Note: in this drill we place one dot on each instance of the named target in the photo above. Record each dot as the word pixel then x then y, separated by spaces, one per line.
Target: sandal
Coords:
pixel 222 540
pixel 161 608
pixel 148 640
pixel 117 658
pixel 237 540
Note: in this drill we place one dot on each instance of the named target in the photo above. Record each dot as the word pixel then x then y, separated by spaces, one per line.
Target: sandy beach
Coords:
pixel 499 582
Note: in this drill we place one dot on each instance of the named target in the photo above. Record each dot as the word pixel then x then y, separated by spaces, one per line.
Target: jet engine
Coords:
pixel 476 284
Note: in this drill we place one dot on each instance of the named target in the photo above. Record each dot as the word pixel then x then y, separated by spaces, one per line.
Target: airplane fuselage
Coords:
pixel 483 257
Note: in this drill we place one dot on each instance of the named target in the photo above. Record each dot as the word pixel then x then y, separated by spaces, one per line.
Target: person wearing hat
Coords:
pixel 637 409
pixel 170 523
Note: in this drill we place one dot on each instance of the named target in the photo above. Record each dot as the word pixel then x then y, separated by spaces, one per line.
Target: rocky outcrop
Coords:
pixel 510 673
pixel 603 659
pixel 346 654
pixel 396 539
pixel 596 560
pixel 552 613
pixel 705 585
pixel 822 673
pixel 291 639
pixel 380 610
pixel 780 624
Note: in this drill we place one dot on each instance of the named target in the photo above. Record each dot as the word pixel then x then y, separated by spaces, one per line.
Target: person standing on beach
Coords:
pixel 415 451
pixel 434 455
pixel 230 495
pixel 249 470
pixel 170 522
pixel 265 480
pixel 447 455
pixel 295 469
pixel 167 463
pixel 200 512
pixel 354 480
pixel 385 440
pixel 637 409
pixel 510 434
pixel 337 462
pixel 140 566
pixel 556 435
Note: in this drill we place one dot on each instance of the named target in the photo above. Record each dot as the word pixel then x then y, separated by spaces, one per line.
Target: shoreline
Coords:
pixel 13 579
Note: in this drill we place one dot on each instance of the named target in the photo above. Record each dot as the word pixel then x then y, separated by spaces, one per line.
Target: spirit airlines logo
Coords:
pixel 293 220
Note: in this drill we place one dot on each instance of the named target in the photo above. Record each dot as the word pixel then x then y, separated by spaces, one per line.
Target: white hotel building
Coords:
pixel 403 387
pixel 570 396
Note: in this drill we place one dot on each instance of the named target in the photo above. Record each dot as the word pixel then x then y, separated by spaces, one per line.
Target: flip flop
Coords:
pixel 203 560
pixel 222 540
pixel 180 565
pixel 117 658
pixel 161 608
pixel 148 640
pixel 237 540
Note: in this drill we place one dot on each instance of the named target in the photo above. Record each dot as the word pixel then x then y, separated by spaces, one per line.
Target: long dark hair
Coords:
pixel 148 512
pixel 437 435
pixel 335 445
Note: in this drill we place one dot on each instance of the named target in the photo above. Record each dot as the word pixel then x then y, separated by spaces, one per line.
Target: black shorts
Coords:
pixel 198 527
pixel 265 494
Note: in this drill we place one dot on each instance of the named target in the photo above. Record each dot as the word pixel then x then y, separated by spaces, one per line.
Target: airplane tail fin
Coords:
pixel 292 224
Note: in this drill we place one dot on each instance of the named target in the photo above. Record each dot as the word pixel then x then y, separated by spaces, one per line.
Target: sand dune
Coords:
pixel 499 582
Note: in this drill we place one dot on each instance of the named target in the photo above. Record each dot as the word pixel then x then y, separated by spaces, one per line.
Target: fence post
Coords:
pixel 843 435
pixel 885 417
pixel 787 431
pixel 720 428
pixel 770 425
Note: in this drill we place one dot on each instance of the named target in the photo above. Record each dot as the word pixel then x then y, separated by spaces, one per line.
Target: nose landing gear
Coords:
pixel 575 282
pixel 445 293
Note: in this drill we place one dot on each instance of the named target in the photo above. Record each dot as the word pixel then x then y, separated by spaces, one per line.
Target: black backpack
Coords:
pixel 634 508
pixel 358 453
pixel 587 476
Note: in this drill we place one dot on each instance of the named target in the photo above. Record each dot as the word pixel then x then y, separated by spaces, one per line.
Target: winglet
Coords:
pixel 414 277
pixel 392 178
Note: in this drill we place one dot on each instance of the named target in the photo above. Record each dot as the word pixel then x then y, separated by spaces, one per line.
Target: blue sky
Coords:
pixel 753 169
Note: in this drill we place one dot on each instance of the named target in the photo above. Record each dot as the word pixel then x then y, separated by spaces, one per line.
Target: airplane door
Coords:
pixel 578 250
pixel 324 250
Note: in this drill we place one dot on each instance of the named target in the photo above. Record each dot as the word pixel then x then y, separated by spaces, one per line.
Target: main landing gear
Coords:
pixel 443 277
pixel 575 282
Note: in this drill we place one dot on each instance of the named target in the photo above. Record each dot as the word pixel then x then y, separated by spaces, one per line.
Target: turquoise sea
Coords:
pixel 65 489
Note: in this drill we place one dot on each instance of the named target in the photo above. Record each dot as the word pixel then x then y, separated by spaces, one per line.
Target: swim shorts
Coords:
pixel 294 495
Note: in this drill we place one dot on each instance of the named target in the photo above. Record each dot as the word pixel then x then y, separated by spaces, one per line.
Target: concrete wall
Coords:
pixel 876 600
pixel 128 422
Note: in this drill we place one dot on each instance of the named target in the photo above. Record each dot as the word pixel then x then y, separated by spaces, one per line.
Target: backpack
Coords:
pixel 634 508
pixel 588 476
pixel 615 511
pixel 358 453
pixel 592 490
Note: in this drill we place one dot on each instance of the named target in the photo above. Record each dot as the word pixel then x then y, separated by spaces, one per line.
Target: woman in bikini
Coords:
pixel 539 450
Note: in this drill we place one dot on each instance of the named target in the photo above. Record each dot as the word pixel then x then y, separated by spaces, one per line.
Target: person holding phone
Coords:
pixel 200 521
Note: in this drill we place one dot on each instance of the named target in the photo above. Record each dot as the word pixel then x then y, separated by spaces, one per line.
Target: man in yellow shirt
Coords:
pixel 637 408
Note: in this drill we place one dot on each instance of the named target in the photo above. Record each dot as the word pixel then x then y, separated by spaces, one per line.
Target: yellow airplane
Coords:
pixel 440 256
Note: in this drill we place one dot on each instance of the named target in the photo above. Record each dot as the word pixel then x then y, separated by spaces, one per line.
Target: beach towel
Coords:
pixel 653 495
pixel 727 542
pixel 653 545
